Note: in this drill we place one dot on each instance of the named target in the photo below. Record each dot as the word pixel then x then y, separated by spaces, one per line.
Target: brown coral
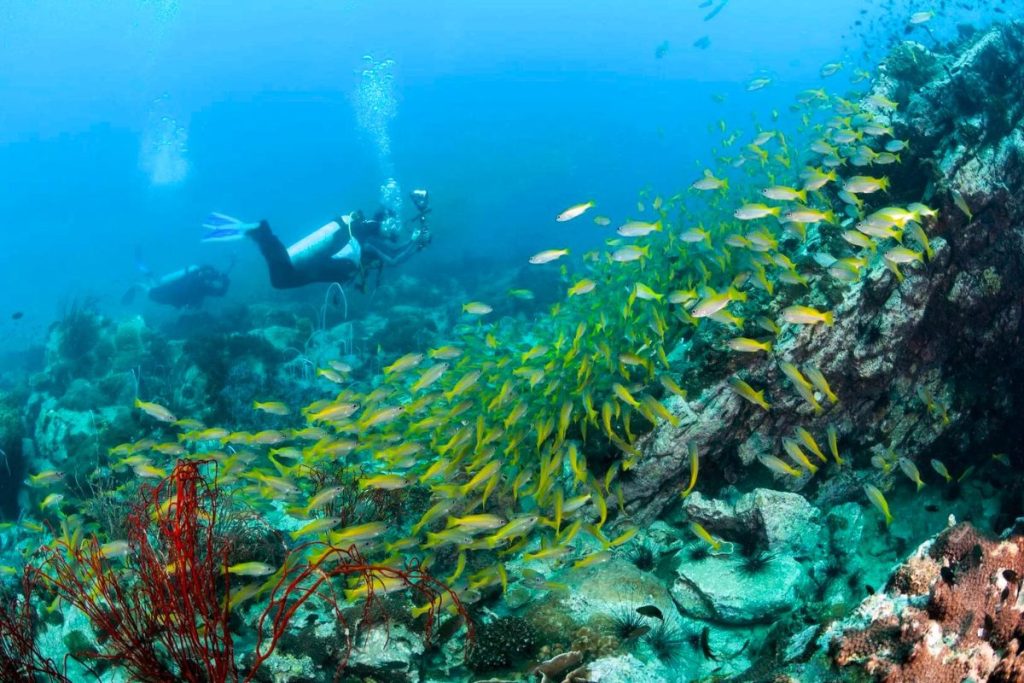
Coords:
pixel 972 613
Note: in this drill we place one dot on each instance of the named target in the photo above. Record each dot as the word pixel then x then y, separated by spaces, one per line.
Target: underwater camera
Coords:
pixel 421 200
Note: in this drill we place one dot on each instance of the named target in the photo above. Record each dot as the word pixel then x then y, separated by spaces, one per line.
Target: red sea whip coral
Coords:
pixel 163 613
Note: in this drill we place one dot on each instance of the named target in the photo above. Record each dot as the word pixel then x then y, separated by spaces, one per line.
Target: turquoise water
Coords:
pixel 470 462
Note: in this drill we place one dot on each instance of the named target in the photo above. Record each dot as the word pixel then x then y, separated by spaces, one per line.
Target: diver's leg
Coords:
pixel 282 272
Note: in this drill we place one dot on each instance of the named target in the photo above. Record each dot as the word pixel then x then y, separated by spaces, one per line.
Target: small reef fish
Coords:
pixel 694 467
pixel 574 212
pixel 879 501
pixel 705 536
pixel 785 194
pixel 961 203
pixel 940 467
pixel 114 549
pixel 820 383
pixel 747 345
pixel 709 182
pixel 865 184
pixel 406 362
pixel 910 469
pixel 548 256
pixel 476 308
pixel 805 315
pixel 918 18
pixel 749 212
pixel 271 407
pixel 251 569
pixel 52 500
pixel 779 466
pixel 638 229
pixel 155 411
pixel 45 478
pixel 833 444
pixel 758 84
pixel 584 286
pixel 744 390
pixel 429 377
pixel 629 253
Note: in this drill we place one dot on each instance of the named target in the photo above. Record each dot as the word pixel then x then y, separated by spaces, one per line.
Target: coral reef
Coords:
pixel 948 613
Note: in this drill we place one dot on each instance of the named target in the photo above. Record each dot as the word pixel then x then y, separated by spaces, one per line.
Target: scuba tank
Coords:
pixel 321 243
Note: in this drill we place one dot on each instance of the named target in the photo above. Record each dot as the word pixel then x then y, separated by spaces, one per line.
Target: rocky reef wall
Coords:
pixel 949 330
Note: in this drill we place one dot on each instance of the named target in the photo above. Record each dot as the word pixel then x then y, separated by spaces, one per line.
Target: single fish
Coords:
pixel 574 212
pixel 271 407
pixel 476 308
pixel 961 203
pixel 651 611
pixel 749 212
pixel 879 501
pixel 805 315
pixel 156 411
pixel 584 286
pixel 251 569
pixel 548 256
pixel 747 392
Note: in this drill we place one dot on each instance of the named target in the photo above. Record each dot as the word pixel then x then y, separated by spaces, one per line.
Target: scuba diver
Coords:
pixel 345 250
pixel 184 288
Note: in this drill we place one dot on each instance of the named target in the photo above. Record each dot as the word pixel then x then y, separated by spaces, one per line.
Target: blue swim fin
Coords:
pixel 223 228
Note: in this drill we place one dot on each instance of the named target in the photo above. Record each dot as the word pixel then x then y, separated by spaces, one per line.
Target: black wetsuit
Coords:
pixel 330 258
pixel 189 286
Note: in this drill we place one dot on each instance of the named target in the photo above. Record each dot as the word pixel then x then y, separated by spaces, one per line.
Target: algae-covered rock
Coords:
pixel 718 588
pixel 387 654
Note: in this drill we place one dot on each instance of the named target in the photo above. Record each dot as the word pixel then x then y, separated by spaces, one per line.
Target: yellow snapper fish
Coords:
pixel 862 184
pixel 749 212
pixel 715 302
pixel 445 352
pixel 429 376
pixel 785 194
pixel 940 468
pixel 820 383
pixel 406 362
pixel 747 392
pixel 779 466
pixel 809 215
pixel 879 501
pixel 805 315
pixel 910 469
pixel 271 407
pixel 629 253
pixel 705 536
pixel 710 182
pixel 357 534
pixel 747 345
pixel 251 569
pixel 45 478
pixel 574 212
pixel 476 308
pixel 758 84
pixel 548 256
pixel 638 229
pixel 155 410
pixel 584 286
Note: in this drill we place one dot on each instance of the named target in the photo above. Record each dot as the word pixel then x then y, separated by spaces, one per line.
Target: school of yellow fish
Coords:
pixel 503 426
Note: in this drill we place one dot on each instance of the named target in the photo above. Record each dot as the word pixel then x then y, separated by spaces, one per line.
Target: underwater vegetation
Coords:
pixel 701 461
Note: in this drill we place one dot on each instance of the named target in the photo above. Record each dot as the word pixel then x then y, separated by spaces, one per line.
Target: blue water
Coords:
pixel 124 123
